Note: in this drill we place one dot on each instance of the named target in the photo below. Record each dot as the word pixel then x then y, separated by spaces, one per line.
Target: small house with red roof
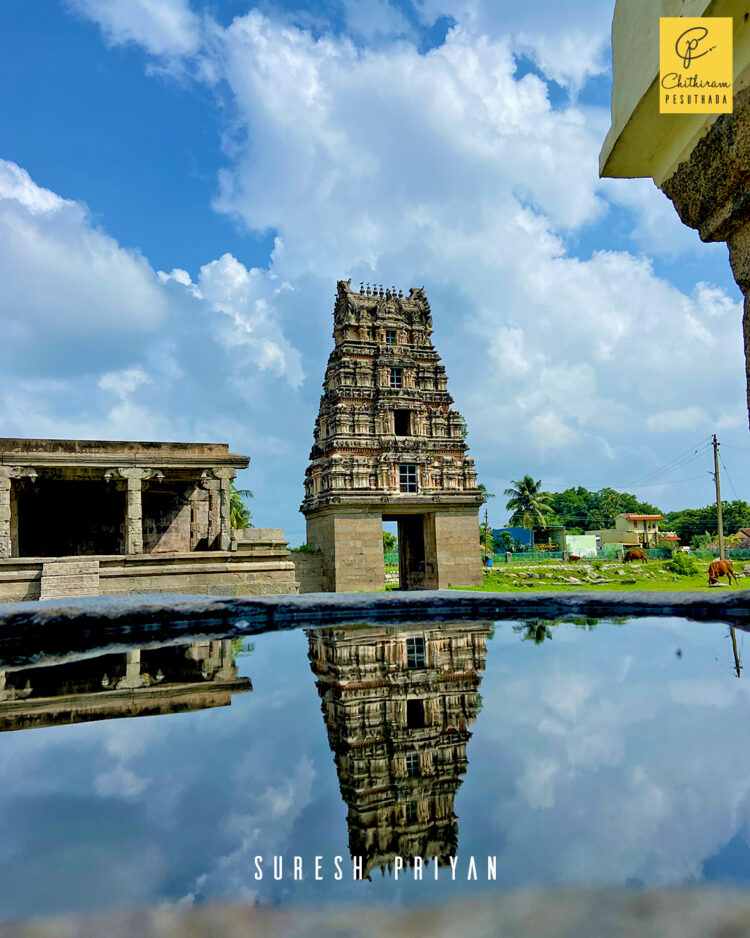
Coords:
pixel 645 527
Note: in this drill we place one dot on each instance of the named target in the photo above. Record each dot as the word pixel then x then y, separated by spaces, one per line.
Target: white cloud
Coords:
pixel 63 276
pixel 592 773
pixel 443 169
pixel 249 329
pixel 375 20
pixel 165 27
pixel 97 346
pixel 460 180
pixel 570 59
pixel 123 383
pixel 685 418
pixel 569 44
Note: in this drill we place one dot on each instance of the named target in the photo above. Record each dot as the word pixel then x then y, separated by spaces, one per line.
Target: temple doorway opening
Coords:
pixel 417 555
pixel 62 517
pixel 390 554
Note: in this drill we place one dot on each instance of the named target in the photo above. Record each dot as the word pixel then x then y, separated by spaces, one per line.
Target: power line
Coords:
pixel 677 463
pixel 688 455
pixel 652 478
pixel 670 482
pixel 731 484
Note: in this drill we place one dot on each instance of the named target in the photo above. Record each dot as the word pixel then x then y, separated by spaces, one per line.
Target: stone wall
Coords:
pixel 261 568
pixel 351 545
pixel 168 511
pixel 308 569
pixel 457 546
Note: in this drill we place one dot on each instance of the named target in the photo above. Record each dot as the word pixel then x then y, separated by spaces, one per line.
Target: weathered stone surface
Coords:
pixel 533 913
pixel 389 446
pixel 69 567
pixel 147 511
pixel 711 192
pixel 308 570
pixel 31 632
pixel 269 570
pixel 62 578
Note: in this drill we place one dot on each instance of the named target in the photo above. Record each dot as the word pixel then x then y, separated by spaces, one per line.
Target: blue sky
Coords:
pixel 595 775
pixel 182 185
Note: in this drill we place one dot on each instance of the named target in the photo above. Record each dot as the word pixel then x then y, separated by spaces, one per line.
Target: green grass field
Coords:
pixel 651 575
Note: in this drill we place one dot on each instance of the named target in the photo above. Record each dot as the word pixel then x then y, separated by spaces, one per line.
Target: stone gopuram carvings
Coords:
pixel 389 447
pixel 399 704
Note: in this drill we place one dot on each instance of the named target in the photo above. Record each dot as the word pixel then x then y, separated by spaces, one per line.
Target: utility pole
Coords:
pixel 486 534
pixel 737 665
pixel 719 519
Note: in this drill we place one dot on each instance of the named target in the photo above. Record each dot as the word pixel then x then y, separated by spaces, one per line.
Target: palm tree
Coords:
pixel 239 513
pixel 528 503
pixel 536 630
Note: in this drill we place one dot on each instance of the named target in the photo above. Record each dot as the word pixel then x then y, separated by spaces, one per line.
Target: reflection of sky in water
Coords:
pixel 598 757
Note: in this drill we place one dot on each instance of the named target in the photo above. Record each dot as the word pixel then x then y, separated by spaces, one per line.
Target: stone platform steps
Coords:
pixel 64 578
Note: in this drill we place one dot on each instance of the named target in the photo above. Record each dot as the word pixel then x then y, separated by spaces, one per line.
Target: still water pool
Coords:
pixel 536 753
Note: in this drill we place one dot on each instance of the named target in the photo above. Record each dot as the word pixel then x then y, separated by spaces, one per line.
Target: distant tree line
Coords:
pixel 581 510
pixel 692 524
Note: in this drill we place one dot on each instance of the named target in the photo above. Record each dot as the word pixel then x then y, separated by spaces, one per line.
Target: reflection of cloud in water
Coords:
pixel 617 780
pixel 598 757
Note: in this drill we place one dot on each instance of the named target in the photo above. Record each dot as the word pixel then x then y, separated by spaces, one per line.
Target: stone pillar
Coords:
pixel 5 476
pixel 8 507
pixel 227 671
pixel 211 484
pixel 214 516
pixel 134 512
pixel 218 482
pixel 133 678
pixel 134 477
pixel 225 477
pixel 711 192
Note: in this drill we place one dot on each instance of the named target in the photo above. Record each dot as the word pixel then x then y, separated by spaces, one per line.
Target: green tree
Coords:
pixel 529 504
pixel 503 543
pixel 692 522
pixel 536 630
pixel 701 541
pixel 239 513
pixel 581 510
pixel 390 542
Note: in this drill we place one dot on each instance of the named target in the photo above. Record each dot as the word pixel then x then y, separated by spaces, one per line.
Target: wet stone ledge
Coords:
pixel 54 630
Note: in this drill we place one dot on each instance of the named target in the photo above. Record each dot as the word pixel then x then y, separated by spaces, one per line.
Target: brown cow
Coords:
pixel 721 568
pixel 635 555
pixel 573 558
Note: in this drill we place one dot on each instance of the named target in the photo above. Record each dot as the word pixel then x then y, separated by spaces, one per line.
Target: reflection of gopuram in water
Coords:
pixel 140 682
pixel 398 703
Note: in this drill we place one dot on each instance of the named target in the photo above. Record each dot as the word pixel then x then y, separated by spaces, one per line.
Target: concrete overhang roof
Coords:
pixel 641 141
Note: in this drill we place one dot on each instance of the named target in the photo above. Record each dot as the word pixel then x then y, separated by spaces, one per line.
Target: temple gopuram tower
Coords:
pixel 389 447
pixel 399 704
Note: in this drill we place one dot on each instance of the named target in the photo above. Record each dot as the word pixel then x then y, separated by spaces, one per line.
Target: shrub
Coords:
pixel 304 549
pixel 683 564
